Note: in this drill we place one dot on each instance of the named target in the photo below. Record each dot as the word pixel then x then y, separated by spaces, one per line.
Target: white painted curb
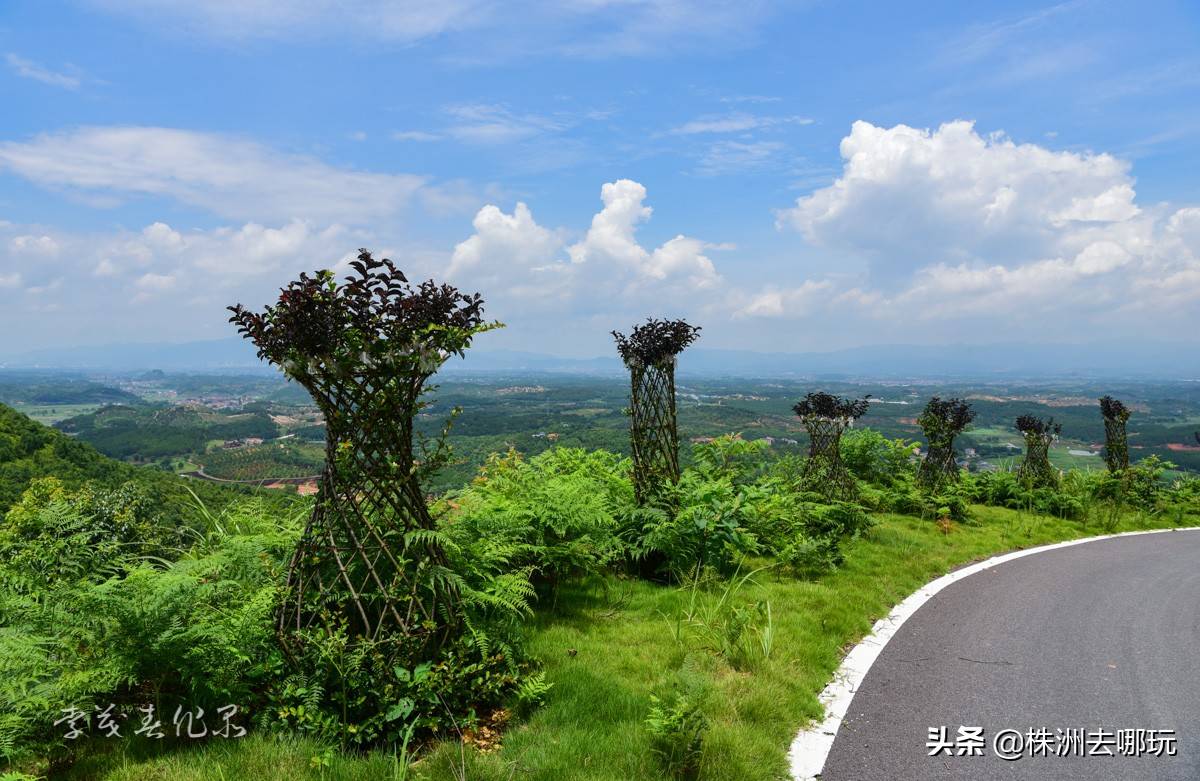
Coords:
pixel 811 746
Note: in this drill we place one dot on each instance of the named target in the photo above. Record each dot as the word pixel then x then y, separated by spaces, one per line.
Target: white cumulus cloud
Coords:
pixel 514 256
pixel 955 226
pixel 231 177
pixel 610 241
pixel 909 198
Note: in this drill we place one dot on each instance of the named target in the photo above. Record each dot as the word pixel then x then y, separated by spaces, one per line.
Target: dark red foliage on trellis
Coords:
pixel 825 405
pixel 942 420
pixel 1112 409
pixel 1029 424
pixel 315 318
pixel 648 353
pixel 370 560
pixel 655 340
pixel 946 416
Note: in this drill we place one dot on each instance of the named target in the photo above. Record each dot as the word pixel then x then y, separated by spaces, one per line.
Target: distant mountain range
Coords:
pixel 1160 360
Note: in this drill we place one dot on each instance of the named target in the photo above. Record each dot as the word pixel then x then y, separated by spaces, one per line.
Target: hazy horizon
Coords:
pixel 999 360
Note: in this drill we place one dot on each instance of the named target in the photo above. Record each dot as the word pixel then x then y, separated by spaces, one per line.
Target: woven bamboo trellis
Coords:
pixel 824 472
pixel 1035 470
pixel 826 417
pixel 942 421
pixel 368 562
pixel 649 352
pixel 653 435
pixel 1116 440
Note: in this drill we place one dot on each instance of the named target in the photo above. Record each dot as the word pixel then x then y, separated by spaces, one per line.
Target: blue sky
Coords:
pixel 793 176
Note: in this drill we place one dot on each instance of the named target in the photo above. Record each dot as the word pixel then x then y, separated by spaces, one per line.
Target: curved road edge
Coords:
pixel 811 746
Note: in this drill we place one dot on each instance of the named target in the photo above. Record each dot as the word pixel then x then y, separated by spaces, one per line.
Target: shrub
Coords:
pixel 52 534
pixel 872 457
pixel 837 520
pixel 811 557
pixel 949 503
pixel 708 530
pixel 195 632
pixel 553 515
pixel 732 458
pixel 676 730
pixel 351 692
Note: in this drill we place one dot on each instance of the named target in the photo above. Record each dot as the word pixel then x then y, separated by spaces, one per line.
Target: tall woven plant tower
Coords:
pixel 1116 440
pixel 826 417
pixel 942 420
pixel 650 352
pixel 1035 470
pixel 368 563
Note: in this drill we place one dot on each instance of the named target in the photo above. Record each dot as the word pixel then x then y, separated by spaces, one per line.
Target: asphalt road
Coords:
pixel 1099 636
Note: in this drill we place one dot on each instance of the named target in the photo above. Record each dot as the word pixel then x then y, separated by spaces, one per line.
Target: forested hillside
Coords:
pixel 36 389
pixel 144 434
pixel 29 450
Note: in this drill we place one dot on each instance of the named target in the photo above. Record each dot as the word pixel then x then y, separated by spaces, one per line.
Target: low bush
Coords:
pixel 676 728
pixel 552 515
pixel 872 457
pixel 118 625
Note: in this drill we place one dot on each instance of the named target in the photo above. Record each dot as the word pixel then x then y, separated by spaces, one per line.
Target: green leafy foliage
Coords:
pixel 29 450
pixel 872 457
pixel 677 728
pixel 116 624
pixel 552 515
pixel 109 595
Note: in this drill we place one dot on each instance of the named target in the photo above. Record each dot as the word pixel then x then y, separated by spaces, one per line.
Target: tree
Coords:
pixel 1116 440
pixel 942 420
pixel 825 417
pixel 650 353
pixel 1035 471
pixel 369 562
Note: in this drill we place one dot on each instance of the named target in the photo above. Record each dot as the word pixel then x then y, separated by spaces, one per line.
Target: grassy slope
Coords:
pixel 591 727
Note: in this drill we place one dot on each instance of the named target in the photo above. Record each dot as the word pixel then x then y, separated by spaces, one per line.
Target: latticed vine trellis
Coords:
pixel 942 420
pixel 825 417
pixel 1116 440
pixel 368 562
pixel 1035 470
pixel 650 352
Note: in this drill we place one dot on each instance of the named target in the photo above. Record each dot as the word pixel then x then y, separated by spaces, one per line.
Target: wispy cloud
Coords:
pixel 415 135
pixel 481 30
pixel 1159 79
pixel 28 69
pixel 750 99
pixel 736 123
pixel 483 123
pixel 226 175
pixel 981 41
pixel 404 21
pixel 730 157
